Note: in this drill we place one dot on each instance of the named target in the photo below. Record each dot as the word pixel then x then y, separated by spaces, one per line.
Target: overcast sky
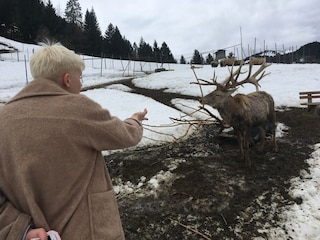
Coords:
pixel 209 25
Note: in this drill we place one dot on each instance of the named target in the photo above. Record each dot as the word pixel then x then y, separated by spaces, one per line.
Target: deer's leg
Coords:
pixel 240 142
pixel 246 143
pixel 272 120
pixel 275 146
pixel 262 136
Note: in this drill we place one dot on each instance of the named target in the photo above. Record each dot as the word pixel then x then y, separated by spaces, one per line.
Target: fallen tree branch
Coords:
pixel 212 115
pixel 225 221
pixel 191 229
pixel 194 72
pixel 194 122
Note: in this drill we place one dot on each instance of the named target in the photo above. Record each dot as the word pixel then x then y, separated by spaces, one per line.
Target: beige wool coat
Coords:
pixel 52 172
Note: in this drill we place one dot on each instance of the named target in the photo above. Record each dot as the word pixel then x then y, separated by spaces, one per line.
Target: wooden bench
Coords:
pixel 310 96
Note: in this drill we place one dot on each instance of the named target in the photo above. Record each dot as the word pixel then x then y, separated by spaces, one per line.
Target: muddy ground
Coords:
pixel 202 189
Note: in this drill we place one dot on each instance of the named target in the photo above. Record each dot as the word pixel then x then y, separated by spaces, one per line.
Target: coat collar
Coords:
pixel 39 87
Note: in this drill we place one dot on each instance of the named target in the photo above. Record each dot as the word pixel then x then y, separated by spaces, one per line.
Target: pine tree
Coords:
pixel 182 60
pixel 230 55
pixel 135 50
pixel 157 52
pixel 8 17
pixel 145 52
pixel 115 45
pixel 30 14
pixel 109 32
pixel 92 34
pixel 167 56
pixel 73 12
pixel 52 25
pixel 197 58
pixel 127 49
pixel 107 49
pixel 209 59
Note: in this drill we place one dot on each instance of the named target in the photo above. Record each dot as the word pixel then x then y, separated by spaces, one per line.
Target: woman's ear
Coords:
pixel 66 80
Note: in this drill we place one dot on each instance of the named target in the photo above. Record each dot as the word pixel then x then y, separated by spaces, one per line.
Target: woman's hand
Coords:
pixel 140 116
pixel 38 233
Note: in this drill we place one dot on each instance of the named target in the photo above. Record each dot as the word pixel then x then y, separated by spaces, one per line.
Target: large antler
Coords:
pixel 232 81
pixel 233 77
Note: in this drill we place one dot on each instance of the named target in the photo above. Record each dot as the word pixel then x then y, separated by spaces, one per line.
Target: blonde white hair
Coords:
pixel 52 60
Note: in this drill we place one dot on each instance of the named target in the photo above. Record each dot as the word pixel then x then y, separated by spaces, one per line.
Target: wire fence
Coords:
pixel 14 67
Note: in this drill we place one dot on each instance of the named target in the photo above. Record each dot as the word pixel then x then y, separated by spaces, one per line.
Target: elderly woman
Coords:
pixel 52 173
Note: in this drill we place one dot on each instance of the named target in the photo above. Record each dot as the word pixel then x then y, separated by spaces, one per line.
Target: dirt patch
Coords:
pixel 199 189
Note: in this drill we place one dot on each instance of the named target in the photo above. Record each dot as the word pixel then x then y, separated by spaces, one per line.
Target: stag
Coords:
pixel 257 60
pixel 241 111
pixel 227 62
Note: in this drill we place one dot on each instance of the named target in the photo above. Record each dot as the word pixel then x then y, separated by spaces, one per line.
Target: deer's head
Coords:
pixel 225 89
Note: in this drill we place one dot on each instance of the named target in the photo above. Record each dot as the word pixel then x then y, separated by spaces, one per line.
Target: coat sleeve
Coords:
pixel 114 133
pixel 13 223
pixel 107 132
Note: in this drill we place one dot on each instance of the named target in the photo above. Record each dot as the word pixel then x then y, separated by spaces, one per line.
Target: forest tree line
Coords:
pixel 33 21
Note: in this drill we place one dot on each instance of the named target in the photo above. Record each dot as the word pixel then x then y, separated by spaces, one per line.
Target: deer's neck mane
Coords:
pixel 237 105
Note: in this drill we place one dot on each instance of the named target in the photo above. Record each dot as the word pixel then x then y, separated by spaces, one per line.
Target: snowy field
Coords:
pixel 284 83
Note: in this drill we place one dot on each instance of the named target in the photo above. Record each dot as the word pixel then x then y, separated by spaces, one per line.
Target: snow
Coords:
pixel 303 221
pixel 284 84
